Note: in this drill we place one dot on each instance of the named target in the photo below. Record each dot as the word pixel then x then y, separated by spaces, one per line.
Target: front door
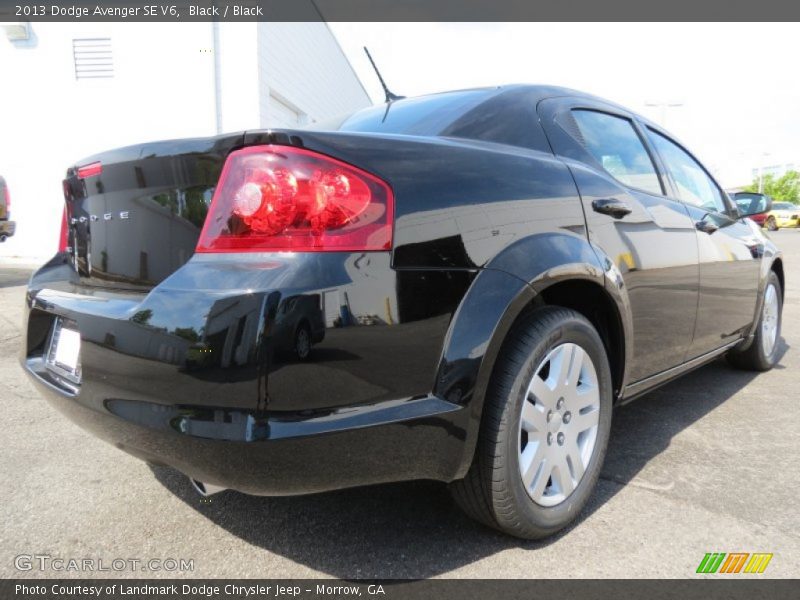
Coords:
pixel 729 251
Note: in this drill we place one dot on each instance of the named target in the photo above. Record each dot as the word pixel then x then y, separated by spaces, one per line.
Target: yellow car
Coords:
pixel 783 214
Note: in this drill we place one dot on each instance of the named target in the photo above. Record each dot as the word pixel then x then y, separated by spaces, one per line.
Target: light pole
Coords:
pixel 664 106
pixel 761 172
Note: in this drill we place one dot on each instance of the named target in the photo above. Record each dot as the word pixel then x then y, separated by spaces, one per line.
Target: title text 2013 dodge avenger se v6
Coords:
pixel 457 287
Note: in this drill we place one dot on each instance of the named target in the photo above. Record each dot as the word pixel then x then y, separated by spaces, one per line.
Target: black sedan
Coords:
pixel 458 287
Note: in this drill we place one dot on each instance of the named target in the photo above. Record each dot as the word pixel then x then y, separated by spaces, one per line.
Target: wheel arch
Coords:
pixel 777 267
pixel 593 301
pixel 509 288
pixel 772 262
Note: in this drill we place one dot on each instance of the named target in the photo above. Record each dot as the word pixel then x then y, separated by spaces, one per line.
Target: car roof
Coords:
pixel 541 91
pixel 429 114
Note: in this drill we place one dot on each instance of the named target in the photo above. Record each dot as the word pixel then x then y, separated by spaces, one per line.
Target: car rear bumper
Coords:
pixel 267 455
pixel 193 377
pixel 7 228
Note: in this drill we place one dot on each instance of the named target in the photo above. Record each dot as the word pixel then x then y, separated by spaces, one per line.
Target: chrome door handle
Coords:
pixel 706 226
pixel 611 207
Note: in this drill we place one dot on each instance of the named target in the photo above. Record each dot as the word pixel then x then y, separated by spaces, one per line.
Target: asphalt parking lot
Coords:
pixel 708 463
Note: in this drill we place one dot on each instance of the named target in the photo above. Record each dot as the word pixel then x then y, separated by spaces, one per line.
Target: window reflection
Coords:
pixel 614 143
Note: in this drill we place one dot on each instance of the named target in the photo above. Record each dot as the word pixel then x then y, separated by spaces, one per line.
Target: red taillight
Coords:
pixel 90 170
pixel 272 198
pixel 63 240
pixel 8 201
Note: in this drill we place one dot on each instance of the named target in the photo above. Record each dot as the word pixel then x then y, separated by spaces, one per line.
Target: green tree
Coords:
pixel 785 188
pixel 187 333
pixel 142 317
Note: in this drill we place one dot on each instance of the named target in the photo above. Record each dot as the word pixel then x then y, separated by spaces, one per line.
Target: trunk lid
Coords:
pixel 137 220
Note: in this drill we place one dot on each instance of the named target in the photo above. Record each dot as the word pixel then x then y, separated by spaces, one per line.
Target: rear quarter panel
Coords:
pixel 480 228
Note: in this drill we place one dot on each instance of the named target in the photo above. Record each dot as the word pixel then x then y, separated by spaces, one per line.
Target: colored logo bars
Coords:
pixel 735 562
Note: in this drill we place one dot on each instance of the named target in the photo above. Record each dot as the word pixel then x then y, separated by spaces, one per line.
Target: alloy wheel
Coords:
pixel 302 343
pixel 558 424
pixel 769 320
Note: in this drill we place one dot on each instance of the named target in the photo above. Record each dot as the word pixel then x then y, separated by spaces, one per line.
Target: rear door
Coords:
pixel 729 250
pixel 653 244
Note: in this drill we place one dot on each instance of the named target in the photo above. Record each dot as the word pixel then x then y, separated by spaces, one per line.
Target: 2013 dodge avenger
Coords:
pixel 458 287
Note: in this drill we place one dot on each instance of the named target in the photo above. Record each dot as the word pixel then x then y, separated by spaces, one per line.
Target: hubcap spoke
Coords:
pixel 531 462
pixel 538 486
pixel 565 366
pixel 562 477
pixel 533 419
pixel 541 392
pixel 585 421
pixel 575 459
pixel 576 365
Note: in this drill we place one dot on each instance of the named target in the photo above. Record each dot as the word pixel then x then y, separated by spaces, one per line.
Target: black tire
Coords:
pixel 754 357
pixel 772 224
pixel 492 491
pixel 302 341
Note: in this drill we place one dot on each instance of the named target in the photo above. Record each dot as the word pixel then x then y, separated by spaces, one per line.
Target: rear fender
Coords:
pixel 547 259
pixel 770 255
pixel 497 297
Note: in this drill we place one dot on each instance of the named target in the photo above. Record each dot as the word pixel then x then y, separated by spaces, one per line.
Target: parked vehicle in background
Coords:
pixel 495 270
pixel 299 324
pixel 783 214
pixel 7 226
pixel 753 204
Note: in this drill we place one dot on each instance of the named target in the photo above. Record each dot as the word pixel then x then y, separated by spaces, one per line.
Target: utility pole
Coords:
pixel 663 106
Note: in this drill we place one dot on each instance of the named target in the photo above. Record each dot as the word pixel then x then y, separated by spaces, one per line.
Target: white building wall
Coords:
pixel 163 87
pixel 237 75
pixel 303 70
pixel 170 81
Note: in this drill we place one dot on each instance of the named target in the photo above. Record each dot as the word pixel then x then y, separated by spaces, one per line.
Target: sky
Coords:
pixel 737 84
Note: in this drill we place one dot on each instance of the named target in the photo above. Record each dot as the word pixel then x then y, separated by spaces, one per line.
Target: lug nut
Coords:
pixel 567 417
pixel 549 439
pixel 560 404
pixel 549 415
pixel 560 439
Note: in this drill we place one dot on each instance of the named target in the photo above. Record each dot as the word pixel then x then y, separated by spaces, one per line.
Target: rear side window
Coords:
pixel 694 185
pixel 614 143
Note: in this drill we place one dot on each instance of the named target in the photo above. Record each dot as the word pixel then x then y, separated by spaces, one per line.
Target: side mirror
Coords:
pixel 752 204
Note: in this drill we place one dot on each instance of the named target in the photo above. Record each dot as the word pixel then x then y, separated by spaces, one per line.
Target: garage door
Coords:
pixel 281 114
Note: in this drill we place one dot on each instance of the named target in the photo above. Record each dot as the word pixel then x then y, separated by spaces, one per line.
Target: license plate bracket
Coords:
pixel 64 350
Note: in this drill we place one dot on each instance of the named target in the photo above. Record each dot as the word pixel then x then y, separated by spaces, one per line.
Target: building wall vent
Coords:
pixel 93 58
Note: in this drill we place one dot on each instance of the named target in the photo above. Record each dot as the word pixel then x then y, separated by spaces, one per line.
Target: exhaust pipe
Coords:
pixel 206 489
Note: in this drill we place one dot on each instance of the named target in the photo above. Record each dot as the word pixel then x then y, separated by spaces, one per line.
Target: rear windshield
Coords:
pixel 427 115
